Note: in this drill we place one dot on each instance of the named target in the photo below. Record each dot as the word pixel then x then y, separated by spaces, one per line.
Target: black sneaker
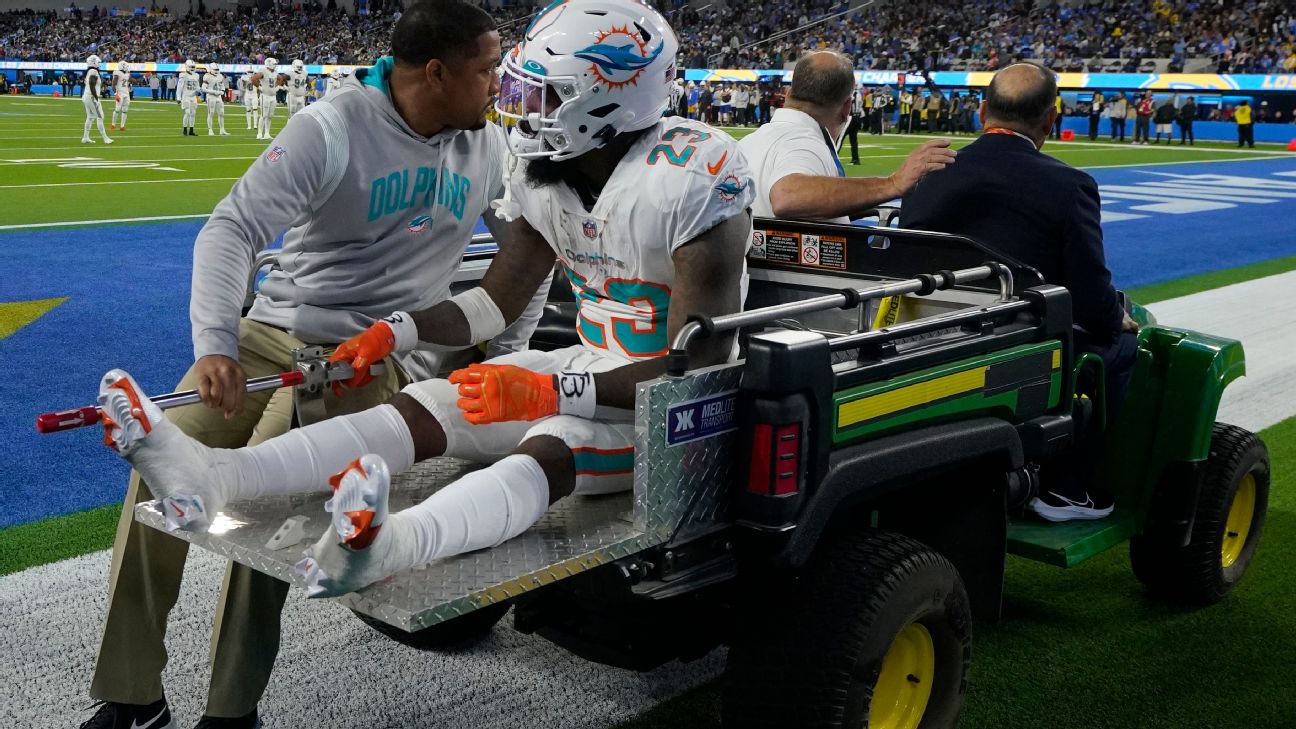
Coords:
pixel 112 715
pixel 1053 506
pixel 247 721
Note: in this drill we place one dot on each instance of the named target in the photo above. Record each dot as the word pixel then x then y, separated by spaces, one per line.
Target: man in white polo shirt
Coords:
pixel 794 157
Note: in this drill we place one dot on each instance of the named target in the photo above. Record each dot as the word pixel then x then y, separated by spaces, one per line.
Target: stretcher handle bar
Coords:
pixel 923 284
pixel 90 414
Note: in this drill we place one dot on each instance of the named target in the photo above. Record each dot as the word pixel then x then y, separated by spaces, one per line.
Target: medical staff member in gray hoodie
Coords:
pixel 379 187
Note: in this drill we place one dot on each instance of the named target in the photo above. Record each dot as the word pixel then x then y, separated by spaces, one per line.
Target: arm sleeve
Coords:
pixel 707 199
pixel 1095 306
pixel 272 196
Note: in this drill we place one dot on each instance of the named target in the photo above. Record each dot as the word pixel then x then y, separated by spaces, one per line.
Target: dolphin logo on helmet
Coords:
pixel 612 58
pixel 586 71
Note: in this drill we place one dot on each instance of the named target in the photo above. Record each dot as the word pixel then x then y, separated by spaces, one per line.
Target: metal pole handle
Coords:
pixel 90 414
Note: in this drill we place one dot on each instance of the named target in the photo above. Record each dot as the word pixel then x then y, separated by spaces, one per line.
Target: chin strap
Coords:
pixel 506 208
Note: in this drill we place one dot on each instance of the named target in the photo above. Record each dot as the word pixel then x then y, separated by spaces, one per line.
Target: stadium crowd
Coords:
pixel 1233 36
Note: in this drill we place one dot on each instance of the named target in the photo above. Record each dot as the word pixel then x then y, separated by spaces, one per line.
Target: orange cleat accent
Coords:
pixel 137 410
pixel 361 521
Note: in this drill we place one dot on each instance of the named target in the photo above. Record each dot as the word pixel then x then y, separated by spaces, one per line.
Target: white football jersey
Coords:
pixel 121 83
pixel 189 84
pixel 680 179
pixel 298 83
pixel 90 82
pixel 268 82
pixel 215 84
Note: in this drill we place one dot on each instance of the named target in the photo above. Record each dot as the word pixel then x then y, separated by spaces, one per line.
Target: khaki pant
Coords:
pixel 147 564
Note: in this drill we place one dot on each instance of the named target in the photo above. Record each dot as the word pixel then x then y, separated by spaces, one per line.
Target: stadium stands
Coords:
pixel 1228 36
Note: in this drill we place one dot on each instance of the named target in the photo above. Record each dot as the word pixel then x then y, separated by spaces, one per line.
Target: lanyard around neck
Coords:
pixel 1005 130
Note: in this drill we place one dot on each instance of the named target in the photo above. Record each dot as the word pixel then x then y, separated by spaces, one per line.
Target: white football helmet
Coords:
pixel 271 64
pixel 190 65
pixel 335 74
pixel 123 66
pixel 298 66
pixel 213 68
pixel 586 71
pixel 93 62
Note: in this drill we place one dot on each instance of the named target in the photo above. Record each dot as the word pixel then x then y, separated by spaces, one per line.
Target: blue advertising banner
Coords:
pixel 1071 81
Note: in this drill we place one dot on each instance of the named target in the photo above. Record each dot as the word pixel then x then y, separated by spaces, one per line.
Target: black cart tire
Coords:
pixel 874 615
pixel 453 634
pixel 1227 525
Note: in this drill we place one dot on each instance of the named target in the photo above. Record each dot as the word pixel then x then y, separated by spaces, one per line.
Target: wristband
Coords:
pixel 576 394
pixel 404 331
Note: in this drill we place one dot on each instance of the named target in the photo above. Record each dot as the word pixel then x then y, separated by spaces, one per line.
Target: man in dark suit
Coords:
pixel 1006 194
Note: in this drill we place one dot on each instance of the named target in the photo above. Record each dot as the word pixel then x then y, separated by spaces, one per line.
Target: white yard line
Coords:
pixel 107 221
pixel 168 160
pixel 1262 314
pixel 1291 155
pixel 119 182
pixel 98 145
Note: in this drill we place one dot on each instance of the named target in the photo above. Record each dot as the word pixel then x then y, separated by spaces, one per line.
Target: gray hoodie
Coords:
pixel 377 220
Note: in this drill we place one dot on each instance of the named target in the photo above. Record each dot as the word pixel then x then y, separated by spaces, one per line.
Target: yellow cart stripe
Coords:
pixel 910 396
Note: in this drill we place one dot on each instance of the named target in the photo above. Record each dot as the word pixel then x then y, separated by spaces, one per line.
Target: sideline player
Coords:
pixel 354 256
pixel 121 85
pixel 333 82
pixel 649 219
pixel 298 84
pixel 90 91
pixel 189 85
pixel 214 85
pixel 251 102
pixel 266 82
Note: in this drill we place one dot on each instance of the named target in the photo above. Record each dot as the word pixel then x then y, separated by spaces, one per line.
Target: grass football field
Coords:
pixel 1083 648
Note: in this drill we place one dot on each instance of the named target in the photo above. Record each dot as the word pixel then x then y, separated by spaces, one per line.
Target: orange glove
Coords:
pixel 499 393
pixel 362 350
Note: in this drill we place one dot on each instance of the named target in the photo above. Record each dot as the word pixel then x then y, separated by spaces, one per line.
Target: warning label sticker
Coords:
pixel 803 249
pixel 782 247
pixel 832 252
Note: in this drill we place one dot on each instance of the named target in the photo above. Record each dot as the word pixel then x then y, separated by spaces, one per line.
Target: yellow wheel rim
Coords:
pixel 905 683
pixel 1238 525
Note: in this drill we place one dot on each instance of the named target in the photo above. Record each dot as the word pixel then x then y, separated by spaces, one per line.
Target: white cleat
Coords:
pixel 360 548
pixel 210 133
pixel 224 133
pixel 87 141
pixel 185 474
pixel 107 140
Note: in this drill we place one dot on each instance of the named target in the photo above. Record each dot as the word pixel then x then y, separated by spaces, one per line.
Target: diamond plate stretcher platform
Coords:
pixel 677 489
pixel 577 534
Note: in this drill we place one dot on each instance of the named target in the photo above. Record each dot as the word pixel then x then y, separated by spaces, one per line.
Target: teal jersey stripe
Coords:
pixel 599 464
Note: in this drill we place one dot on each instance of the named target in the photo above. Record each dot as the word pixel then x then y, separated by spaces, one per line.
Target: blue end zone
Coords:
pixel 128 306
pixel 1173 237
pixel 128 302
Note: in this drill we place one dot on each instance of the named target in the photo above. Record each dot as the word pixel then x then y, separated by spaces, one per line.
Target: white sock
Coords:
pixel 102 133
pixel 483 509
pixel 86 132
pixel 302 460
pixel 123 121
